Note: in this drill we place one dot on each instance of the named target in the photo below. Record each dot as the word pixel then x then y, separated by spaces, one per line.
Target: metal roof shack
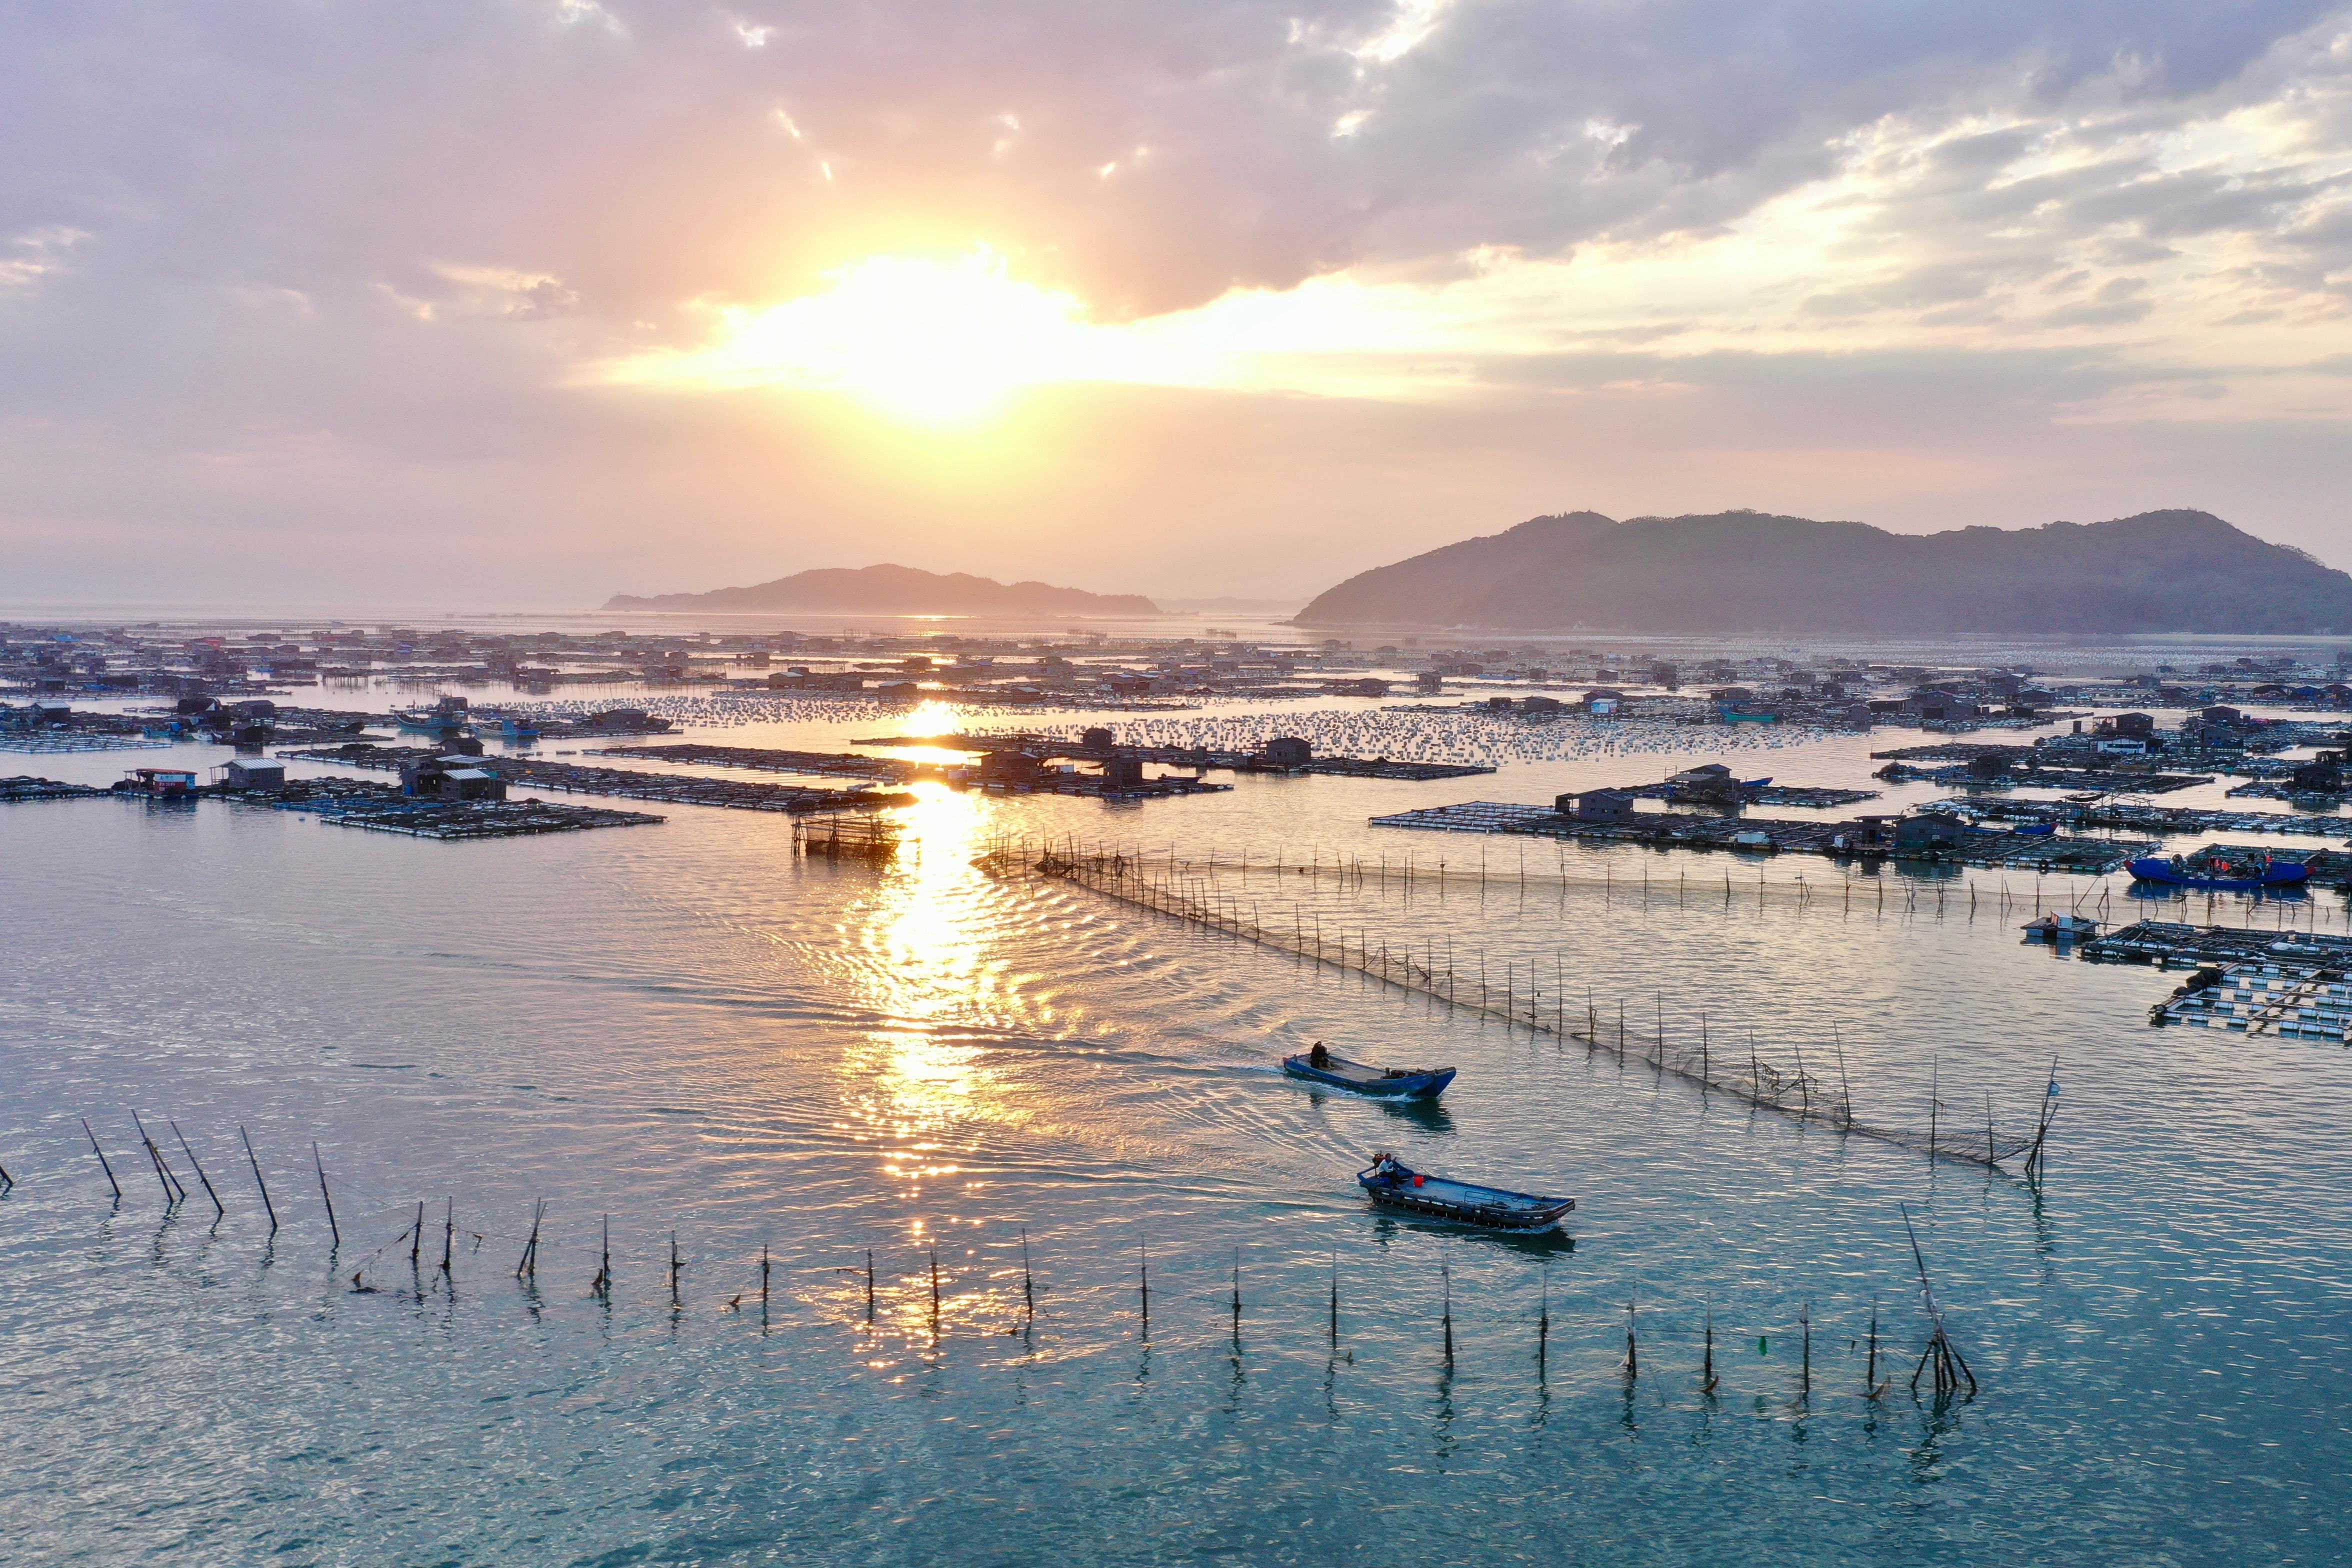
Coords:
pixel 450 778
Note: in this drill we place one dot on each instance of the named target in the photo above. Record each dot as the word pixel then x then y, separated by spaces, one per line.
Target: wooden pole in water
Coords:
pixel 2049 1113
pixel 1934 1098
pixel 1028 1280
pixel 1632 1351
pixel 1707 1378
pixel 1445 1273
pixel 101 1159
pixel 449 1231
pixel 1335 1297
pixel 1143 1285
pixel 1543 1324
pixel 255 1160
pixel 603 1284
pixel 763 1281
pixel 217 1208
pixel 155 1158
pixel 675 1265
pixel 1237 1293
pixel 416 1235
pixel 1845 1088
pixel 1805 1333
pixel 1871 1386
pixel 324 1197
pixel 528 1264
pixel 869 1287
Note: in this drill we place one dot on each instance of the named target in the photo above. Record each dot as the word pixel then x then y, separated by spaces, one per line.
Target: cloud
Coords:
pixel 34 254
pixel 388 234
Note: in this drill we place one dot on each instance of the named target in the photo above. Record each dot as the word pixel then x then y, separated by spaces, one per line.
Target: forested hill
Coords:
pixel 895 591
pixel 1752 572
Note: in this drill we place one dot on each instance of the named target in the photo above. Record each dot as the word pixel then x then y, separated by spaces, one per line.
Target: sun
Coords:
pixel 942 341
pixel 938 341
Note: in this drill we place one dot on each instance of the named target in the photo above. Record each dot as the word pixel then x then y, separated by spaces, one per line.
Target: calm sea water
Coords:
pixel 688 1030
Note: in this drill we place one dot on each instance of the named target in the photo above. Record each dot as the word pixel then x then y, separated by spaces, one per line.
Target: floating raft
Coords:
pixel 1065 750
pixel 467 819
pixel 1759 795
pixel 1808 836
pixel 2165 820
pixel 2293 1001
pixel 733 795
pixel 2168 943
pixel 24 787
pixel 43 743
pixel 2101 780
pixel 760 759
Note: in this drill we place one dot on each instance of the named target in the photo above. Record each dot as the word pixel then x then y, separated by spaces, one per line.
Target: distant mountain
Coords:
pixel 897 591
pixel 1751 572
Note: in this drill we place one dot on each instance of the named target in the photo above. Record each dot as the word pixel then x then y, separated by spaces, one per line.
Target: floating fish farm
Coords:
pixel 2005 851
pixel 2292 1001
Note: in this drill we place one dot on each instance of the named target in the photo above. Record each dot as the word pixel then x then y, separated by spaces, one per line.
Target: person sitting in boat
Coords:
pixel 1319 1059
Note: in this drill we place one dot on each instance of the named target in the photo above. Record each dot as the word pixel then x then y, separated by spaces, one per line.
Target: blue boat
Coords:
pixel 2225 876
pixel 1358 1077
pixel 1392 1185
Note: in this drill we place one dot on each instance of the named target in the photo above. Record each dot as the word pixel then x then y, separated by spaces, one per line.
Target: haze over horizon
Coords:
pixel 531 303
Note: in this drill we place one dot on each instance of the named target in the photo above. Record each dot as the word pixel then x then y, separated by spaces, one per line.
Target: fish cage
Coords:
pixel 840 836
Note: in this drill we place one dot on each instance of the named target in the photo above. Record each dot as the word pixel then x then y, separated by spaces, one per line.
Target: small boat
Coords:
pixel 2222 876
pixel 1756 784
pixel 1392 1185
pixel 514 729
pixel 2061 928
pixel 2035 830
pixel 445 717
pixel 1385 1083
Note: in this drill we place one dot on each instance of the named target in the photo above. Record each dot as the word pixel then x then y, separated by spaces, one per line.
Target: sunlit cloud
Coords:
pixel 34 254
pixel 938 341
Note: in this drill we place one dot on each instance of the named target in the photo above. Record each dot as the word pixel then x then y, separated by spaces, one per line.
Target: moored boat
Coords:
pixel 2222 876
pixel 1390 1184
pixel 1361 1078
pixel 445 717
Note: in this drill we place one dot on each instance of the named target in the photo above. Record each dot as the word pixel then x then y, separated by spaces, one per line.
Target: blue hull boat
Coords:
pixel 2276 874
pixel 1390 1184
pixel 1382 1083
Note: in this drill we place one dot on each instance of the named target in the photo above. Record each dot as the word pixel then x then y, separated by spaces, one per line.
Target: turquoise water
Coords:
pixel 688 1030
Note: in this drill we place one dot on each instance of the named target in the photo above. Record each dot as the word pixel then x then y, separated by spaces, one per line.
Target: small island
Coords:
pixel 895 591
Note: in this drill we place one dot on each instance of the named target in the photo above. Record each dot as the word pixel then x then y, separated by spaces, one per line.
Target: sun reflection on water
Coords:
pixel 915 1081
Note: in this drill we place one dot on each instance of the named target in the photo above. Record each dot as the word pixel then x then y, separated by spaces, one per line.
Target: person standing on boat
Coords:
pixel 1319 1059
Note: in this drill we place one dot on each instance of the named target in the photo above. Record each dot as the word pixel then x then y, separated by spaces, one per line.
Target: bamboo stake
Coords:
pixel 218 1209
pixel 101 1159
pixel 1445 1272
pixel 255 1160
pixel 1707 1378
pixel 155 1158
pixel 324 1197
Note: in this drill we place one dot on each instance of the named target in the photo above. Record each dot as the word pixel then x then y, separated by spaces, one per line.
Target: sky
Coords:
pixel 526 302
